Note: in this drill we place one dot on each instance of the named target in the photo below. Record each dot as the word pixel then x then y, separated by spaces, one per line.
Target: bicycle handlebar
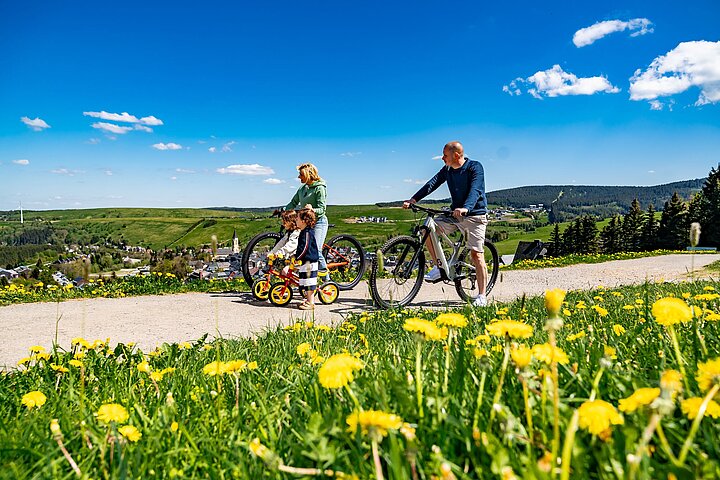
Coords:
pixel 432 211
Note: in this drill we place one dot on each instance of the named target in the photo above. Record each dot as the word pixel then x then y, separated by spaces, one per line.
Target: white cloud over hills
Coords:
pixel 555 82
pixel 690 64
pixel 37 124
pixel 589 35
pixel 253 169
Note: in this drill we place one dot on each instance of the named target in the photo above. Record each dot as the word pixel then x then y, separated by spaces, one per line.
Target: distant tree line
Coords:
pixel 640 230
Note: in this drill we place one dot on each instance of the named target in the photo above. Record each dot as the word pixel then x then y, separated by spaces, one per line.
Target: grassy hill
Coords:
pixel 160 228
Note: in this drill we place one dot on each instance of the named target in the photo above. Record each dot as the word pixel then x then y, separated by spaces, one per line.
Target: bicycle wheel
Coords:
pixel 280 294
pixel 328 292
pixel 466 280
pixel 260 289
pixel 345 260
pixel 254 258
pixel 397 272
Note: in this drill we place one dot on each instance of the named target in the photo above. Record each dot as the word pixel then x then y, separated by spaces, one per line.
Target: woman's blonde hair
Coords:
pixel 310 171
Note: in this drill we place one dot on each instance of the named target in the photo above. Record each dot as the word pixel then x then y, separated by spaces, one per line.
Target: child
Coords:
pixel 307 253
pixel 288 243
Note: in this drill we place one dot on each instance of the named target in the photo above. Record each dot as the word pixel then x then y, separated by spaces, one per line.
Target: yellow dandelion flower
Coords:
pixel 75 363
pixel 34 399
pixel 184 346
pixel 252 365
pixel 303 348
pixel 55 427
pixel 708 374
pixel 234 366
pixel 37 349
pixel 671 380
pixel 511 328
pixel 456 320
pixel 575 336
pixel 610 352
pixel 157 376
pixel 480 353
pixel 522 356
pixel 618 329
pixel 711 316
pixel 258 449
pixel 24 360
pixel 708 288
pixel 639 301
pixel 174 427
pixel 318 359
pixel 629 307
pixel 112 412
pixel 669 311
pixel 546 353
pixel 43 356
pixel 59 368
pixel 597 416
pixel 144 367
pixel 566 312
pixel 639 398
pixel 600 310
pixel 130 432
pixel 691 408
pixel 553 301
pixel 428 329
pixel 323 328
pixel 707 297
pixel 214 368
pixel 337 371
pixel 373 421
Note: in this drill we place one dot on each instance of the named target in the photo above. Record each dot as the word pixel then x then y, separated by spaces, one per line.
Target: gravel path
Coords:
pixel 152 320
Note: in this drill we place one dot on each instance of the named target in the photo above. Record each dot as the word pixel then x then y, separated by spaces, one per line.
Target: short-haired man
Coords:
pixel 466 181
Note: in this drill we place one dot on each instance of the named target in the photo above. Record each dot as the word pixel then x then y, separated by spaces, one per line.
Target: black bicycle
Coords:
pixel 398 269
pixel 343 253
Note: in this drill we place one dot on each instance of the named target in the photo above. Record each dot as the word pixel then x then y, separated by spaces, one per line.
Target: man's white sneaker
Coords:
pixel 480 301
pixel 433 275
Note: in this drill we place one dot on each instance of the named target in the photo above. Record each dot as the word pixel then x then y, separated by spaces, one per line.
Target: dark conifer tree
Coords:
pixel 556 240
pixel 649 230
pixel 610 236
pixel 708 210
pixel 673 232
pixel 632 227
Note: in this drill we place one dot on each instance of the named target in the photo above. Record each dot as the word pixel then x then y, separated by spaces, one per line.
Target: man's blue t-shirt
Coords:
pixel 466 184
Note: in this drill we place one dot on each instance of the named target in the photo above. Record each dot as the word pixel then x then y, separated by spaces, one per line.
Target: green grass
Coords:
pixel 195 425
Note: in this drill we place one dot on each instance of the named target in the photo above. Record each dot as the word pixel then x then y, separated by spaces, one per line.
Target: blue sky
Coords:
pixel 156 104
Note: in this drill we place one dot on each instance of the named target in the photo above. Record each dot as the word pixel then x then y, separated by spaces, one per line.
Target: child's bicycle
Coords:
pixel 278 287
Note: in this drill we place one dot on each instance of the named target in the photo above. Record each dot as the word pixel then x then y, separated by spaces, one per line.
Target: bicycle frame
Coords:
pixel 447 267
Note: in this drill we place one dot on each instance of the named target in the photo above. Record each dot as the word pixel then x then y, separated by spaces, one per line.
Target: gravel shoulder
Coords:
pixel 152 320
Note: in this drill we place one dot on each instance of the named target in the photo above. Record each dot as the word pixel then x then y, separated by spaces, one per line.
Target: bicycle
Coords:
pixel 397 271
pixel 280 292
pixel 344 255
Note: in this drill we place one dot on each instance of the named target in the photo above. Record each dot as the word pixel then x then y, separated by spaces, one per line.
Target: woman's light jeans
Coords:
pixel 321 229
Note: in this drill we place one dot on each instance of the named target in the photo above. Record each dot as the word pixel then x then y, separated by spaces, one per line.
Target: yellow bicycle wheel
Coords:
pixel 261 289
pixel 280 294
pixel 328 292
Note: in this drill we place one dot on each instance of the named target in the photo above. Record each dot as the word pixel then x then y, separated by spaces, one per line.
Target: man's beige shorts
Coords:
pixel 472 227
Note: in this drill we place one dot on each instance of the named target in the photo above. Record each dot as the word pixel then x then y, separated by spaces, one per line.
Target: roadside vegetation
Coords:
pixel 597 384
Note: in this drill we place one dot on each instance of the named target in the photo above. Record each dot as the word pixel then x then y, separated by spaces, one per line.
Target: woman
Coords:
pixel 313 194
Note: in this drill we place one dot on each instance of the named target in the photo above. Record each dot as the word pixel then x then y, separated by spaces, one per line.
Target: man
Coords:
pixel 466 181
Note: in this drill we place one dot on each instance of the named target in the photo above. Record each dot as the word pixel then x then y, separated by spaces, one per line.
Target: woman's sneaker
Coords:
pixel 480 301
pixel 433 275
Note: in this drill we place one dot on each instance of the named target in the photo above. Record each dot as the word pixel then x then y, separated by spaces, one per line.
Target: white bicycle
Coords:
pixel 398 269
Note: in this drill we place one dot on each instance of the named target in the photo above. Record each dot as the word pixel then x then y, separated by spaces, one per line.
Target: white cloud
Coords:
pixel 173 178
pixel 651 171
pixel 65 171
pixel 254 169
pixel 437 157
pixel 226 148
pixel 556 82
pixel 22 161
pixel 350 154
pixel 184 170
pixel 273 181
pixel 415 182
pixel 93 141
pixel 167 146
pixel 111 127
pixel 588 35
pixel 108 172
pixel 124 117
pixel 143 128
pixel 37 124
pixel 212 149
pixel 690 64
